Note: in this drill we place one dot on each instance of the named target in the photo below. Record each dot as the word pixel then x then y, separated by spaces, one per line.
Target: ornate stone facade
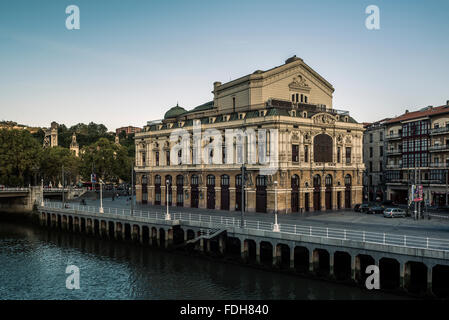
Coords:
pixel 319 149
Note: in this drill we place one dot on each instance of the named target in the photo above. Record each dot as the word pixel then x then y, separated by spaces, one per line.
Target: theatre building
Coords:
pixel 316 149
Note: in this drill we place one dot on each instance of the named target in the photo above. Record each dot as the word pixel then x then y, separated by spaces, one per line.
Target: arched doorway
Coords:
pixel 295 193
pixel 210 191
pixel 261 194
pixel 144 189
pixel 194 192
pixel 328 183
pixel 169 189
pixel 317 192
pixel 238 193
pixel 179 190
pixel 157 190
pixel 348 183
pixel 224 192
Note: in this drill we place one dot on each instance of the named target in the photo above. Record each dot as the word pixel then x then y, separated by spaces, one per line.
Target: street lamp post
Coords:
pixel 167 215
pixel 42 193
pixel 101 196
pixel 276 225
pixel 242 204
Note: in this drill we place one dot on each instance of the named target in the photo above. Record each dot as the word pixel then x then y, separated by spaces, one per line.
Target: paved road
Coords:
pixel 350 220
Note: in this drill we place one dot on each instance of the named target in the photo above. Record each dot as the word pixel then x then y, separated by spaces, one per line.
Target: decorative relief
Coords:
pixel 348 139
pixel 323 118
pixel 299 83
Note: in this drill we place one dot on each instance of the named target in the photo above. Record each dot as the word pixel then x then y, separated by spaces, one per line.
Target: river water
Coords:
pixel 33 262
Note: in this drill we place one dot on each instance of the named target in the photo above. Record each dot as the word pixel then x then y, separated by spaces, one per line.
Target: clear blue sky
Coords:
pixel 132 60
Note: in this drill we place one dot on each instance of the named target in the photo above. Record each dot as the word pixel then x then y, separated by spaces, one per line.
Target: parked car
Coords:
pixel 364 207
pixel 394 212
pixel 357 207
pixel 376 209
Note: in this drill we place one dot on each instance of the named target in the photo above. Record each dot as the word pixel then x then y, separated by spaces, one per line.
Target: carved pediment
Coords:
pixel 299 83
pixel 323 118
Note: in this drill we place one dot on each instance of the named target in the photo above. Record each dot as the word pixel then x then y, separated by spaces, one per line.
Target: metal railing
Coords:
pixel 439 130
pixel 406 241
pixel 14 189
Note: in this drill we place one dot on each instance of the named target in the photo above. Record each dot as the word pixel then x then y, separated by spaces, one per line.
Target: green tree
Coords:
pixel 52 161
pixel 108 160
pixel 19 157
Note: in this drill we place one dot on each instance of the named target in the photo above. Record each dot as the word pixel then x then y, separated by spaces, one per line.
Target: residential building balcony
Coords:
pixel 394 152
pixel 394 166
pixel 442 165
pixel 393 136
pixel 439 148
pixel 442 130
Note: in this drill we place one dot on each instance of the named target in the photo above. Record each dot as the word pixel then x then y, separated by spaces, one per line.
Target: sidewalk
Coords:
pixel 434 228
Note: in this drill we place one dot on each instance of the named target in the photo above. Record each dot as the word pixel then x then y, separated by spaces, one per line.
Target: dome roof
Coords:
pixel 174 112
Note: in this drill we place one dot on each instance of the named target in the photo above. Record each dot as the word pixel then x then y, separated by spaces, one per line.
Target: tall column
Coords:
pixel 429 279
pixel 250 199
pixel 334 198
pixel 292 257
pixel 232 198
pixel 323 197
pixel 276 255
pixel 331 264
pixel 311 261
pixel 257 251
pixel 167 239
pixel 353 266
pixel 217 198
pixel 222 244
pixel 243 249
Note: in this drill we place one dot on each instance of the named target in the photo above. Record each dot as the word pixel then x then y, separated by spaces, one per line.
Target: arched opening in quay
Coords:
pixel 362 261
pixel 389 273
pixel 178 236
pixel 283 252
pixel 321 265
pixel 266 253
pixel 162 237
pixel 342 265
pixel 440 281
pixel 111 229
pixel 96 227
pixel 127 231
pixel 251 250
pixel 145 235
pixel 70 225
pixel 233 247
pixel 301 259
pixel 59 221
pixel 416 277
pixel 83 225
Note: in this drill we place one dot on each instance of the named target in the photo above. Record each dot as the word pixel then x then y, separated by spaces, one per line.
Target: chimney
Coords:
pixel 406 111
pixel 447 103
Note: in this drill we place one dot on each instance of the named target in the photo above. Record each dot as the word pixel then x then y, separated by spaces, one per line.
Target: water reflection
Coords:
pixel 33 262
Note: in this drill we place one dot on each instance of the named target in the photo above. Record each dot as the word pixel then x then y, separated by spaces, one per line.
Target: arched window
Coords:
pixel 295 181
pixel 194 180
pixel 322 148
pixel 211 180
pixel 179 180
pixel 157 179
pixel 328 180
pixel 261 181
pixel 348 180
pixel 224 180
pixel 302 98
pixel 317 180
